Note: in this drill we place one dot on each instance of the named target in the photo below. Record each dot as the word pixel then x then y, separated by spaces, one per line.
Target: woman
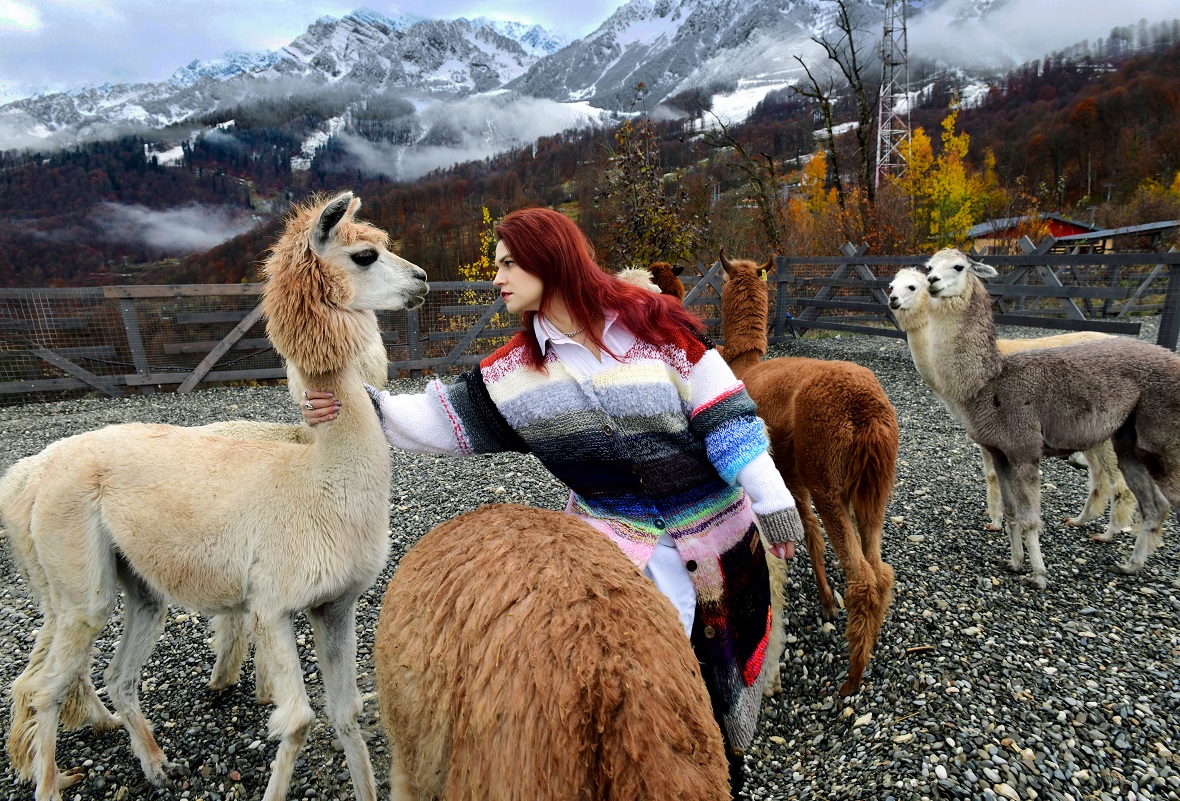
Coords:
pixel 621 397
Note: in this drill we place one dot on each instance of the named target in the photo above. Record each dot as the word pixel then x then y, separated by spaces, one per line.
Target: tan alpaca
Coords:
pixel 184 516
pixel 909 301
pixel 520 655
pixel 834 438
pixel 1054 400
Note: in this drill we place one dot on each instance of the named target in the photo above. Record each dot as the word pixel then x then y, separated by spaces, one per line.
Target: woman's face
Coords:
pixel 521 290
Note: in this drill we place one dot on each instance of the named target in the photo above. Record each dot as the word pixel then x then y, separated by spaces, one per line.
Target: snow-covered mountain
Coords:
pixel 733 50
pixel 363 53
pixel 671 46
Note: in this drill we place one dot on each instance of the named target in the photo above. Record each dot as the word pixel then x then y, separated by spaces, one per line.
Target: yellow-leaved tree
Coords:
pixel 948 195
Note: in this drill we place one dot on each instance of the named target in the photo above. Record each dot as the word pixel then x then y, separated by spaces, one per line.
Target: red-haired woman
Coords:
pixel 617 392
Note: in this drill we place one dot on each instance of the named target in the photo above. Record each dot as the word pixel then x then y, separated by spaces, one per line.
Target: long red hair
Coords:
pixel 550 245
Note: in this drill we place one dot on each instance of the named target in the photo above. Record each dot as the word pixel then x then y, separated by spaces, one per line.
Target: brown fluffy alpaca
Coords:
pixel 833 436
pixel 665 276
pixel 520 655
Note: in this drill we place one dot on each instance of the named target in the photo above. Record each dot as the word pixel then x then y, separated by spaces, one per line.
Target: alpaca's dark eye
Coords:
pixel 365 257
pixel 913 288
pixel 960 267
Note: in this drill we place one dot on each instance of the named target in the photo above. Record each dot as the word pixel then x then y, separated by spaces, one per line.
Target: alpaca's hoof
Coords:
pixel 1013 567
pixel 849 688
pixel 993 526
pixel 223 683
pixel 110 723
pixel 829 612
pixel 1128 568
pixel 68 778
pixel 167 774
pixel 1076 521
pixel 1037 581
pixel 1106 536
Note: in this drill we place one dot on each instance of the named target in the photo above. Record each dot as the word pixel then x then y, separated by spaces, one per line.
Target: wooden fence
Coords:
pixel 120 339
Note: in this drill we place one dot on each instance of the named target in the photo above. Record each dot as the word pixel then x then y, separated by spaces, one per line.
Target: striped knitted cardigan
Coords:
pixel 651 446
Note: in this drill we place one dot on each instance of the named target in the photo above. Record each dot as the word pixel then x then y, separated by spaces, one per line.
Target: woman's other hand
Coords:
pixel 318 407
pixel 783 550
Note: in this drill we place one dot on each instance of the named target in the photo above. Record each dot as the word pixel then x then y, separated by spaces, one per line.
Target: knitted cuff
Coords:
pixel 780 527
pixel 375 398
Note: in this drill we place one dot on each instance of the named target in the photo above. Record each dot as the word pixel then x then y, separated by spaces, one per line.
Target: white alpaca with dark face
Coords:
pixel 221 525
pixel 1054 400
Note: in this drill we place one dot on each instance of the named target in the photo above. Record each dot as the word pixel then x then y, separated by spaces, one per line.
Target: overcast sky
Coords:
pixel 48 43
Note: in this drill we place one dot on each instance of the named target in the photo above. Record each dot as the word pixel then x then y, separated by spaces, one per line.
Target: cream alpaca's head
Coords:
pixel 907 290
pixel 637 276
pixel 326 270
pixel 948 273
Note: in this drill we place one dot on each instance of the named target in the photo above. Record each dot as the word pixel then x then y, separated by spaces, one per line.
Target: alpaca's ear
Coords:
pixel 981 269
pixel 725 262
pixel 678 269
pixel 333 214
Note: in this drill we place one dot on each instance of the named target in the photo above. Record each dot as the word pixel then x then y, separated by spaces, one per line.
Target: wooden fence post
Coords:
pixel 1170 318
pixel 135 340
pixel 414 340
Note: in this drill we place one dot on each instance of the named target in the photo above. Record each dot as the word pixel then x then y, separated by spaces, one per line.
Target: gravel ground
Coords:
pixel 981 687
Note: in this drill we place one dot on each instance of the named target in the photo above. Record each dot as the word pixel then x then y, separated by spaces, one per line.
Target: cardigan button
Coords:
pixel 608 429
pixel 691 565
pixel 660 523
pixel 710 632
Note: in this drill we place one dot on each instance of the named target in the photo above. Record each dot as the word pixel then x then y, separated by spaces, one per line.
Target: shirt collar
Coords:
pixel 546 332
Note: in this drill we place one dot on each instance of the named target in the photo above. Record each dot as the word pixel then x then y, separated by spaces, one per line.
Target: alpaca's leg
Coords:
pixel 292 718
pixel 1100 460
pixel 1153 499
pixel 400 788
pixel 771 679
pixel 868 512
pixel 143 622
pixel 814 539
pixel 1004 476
pixel 995 504
pixel 66 661
pixel 22 728
pixel 230 644
pixel 1026 484
pixel 334 627
pixel 861 597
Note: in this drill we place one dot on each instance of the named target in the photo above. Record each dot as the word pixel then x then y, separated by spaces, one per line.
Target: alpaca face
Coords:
pixel 379 278
pixel 947 271
pixel 906 289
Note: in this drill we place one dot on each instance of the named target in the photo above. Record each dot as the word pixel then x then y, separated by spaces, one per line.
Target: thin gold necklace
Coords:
pixel 572 334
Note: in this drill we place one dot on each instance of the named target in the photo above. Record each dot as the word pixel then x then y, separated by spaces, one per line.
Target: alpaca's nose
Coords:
pixel 933 279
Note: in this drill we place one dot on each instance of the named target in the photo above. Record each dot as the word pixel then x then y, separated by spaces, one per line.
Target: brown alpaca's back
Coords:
pixel 521 655
pixel 834 438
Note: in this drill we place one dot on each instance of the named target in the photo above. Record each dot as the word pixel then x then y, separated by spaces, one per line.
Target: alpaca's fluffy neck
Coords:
pixel 962 343
pixel 916 324
pixel 744 311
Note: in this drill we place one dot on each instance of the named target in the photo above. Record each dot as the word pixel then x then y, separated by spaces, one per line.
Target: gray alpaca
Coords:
pixel 1024 405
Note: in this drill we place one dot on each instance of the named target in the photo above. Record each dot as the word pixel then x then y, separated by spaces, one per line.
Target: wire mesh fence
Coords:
pixel 120 339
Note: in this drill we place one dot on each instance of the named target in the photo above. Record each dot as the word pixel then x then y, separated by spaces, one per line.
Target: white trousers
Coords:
pixel 673 580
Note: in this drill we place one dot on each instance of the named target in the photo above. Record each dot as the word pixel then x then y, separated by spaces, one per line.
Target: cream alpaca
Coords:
pixel 909 301
pixel 222 525
pixel 1054 400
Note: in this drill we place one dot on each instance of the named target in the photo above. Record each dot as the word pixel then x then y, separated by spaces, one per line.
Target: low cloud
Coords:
pixel 1019 32
pixel 189 229
pixel 471 129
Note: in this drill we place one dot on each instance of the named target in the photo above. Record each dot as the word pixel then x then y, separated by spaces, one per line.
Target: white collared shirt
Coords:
pixel 576 357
